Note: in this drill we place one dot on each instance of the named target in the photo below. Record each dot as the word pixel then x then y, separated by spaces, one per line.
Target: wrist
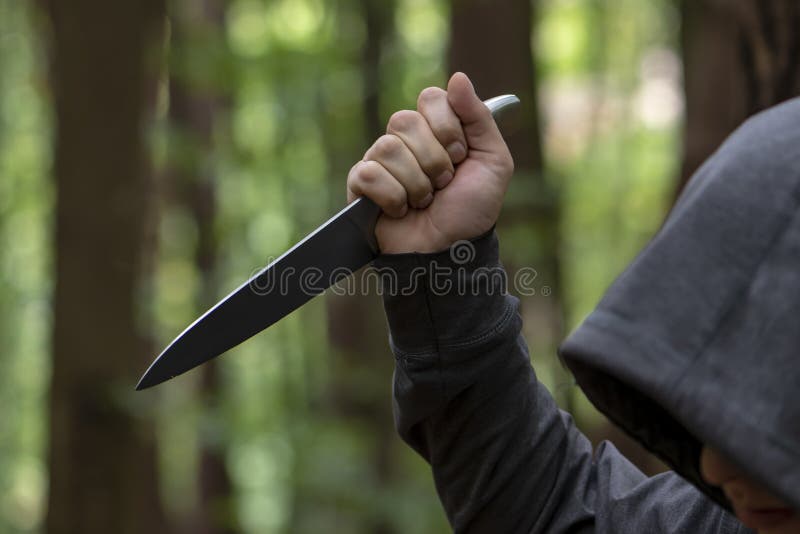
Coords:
pixel 424 237
pixel 435 299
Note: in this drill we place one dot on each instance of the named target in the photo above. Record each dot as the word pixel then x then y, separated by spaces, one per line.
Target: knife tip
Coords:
pixel 147 381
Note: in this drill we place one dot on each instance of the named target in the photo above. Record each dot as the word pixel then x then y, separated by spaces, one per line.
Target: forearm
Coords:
pixel 466 397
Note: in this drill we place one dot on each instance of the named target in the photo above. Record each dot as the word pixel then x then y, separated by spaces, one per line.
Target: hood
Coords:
pixel 698 341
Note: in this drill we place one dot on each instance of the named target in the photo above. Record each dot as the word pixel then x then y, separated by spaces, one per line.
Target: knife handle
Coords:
pixel 499 103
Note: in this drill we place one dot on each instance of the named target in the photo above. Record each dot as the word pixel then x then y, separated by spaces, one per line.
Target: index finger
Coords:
pixel 445 124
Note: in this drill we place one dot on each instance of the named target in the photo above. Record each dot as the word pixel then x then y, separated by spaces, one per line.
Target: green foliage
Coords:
pixel 25 261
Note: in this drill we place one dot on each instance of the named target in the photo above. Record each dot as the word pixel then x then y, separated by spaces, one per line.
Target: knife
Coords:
pixel 339 247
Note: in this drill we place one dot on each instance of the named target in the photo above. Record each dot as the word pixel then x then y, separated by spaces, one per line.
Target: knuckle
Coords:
pixel 353 186
pixel 403 120
pixel 430 95
pixel 369 171
pixel 353 181
pixel 386 146
pixel 360 175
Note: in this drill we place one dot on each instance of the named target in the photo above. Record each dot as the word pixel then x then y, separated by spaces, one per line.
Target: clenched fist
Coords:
pixel 439 174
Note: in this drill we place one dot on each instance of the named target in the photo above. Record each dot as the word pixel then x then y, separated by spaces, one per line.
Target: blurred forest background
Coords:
pixel 153 154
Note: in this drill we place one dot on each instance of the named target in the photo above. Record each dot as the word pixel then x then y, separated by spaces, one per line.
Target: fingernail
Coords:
pixel 443 179
pixel 425 202
pixel 457 151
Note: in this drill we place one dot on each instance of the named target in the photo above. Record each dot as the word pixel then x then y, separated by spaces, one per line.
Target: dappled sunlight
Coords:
pixel 248 29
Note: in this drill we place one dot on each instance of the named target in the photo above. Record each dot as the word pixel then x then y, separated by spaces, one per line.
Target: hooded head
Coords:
pixel 697 343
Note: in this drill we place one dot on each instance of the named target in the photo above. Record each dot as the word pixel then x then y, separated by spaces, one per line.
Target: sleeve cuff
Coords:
pixel 451 297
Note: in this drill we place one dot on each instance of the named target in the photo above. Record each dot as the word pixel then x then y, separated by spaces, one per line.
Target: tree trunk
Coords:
pixel 491 43
pixel 740 57
pixel 356 325
pixel 196 108
pixel 361 364
pixel 101 452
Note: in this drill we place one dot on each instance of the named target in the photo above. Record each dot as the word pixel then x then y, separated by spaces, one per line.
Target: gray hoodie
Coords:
pixel 696 343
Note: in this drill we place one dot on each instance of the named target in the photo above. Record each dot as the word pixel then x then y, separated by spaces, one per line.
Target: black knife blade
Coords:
pixel 339 247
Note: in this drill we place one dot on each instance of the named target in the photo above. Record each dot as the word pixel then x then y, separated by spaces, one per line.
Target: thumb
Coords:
pixel 480 129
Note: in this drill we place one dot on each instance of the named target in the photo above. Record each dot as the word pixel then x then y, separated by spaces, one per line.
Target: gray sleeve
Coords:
pixel 504 457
